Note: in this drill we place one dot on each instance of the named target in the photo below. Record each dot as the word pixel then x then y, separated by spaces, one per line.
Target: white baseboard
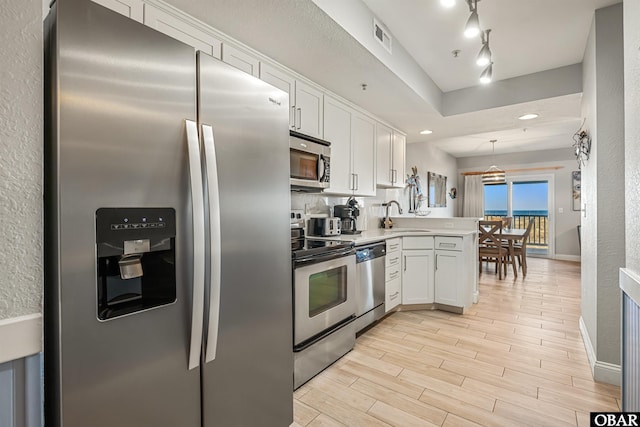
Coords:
pixel 601 371
pixel 560 257
pixel 20 337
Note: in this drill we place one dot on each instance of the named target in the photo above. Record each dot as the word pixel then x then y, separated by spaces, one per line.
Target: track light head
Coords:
pixel 484 56
pixel 472 29
pixel 487 74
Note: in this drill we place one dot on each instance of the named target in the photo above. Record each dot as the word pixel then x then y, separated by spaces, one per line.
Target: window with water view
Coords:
pixel 524 201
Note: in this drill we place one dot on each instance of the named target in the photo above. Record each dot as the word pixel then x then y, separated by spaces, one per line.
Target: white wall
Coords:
pixel 632 132
pixel 566 234
pixel 603 195
pixel 21 132
pixel 429 159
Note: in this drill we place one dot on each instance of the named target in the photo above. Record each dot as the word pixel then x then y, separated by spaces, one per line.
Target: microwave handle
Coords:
pixel 322 171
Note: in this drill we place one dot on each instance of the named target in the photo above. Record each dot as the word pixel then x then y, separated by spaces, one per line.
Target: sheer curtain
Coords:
pixel 473 203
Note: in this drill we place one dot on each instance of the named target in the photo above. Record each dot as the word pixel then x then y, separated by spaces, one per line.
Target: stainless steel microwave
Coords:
pixel 310 161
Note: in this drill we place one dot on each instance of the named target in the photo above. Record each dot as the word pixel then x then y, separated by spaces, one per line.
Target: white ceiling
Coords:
pixel 527 37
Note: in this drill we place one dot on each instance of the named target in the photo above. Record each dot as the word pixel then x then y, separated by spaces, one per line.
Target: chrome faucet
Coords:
pixel 386 221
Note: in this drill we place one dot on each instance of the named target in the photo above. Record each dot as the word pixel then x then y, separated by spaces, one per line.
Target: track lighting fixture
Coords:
pixel 472 28
pixel 484 57
pixel 487 74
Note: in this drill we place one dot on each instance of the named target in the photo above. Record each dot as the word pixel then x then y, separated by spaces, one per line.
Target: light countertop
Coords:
pixel 370 236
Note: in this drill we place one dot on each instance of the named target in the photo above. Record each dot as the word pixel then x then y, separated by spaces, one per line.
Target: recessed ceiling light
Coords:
pixel 448 3
pixel 528 117
pixel 426 132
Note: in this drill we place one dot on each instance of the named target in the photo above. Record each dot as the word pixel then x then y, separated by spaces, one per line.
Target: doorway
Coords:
pixel 525 198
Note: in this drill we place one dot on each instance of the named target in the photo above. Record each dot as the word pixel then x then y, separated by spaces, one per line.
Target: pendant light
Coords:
pixel 484 57
pixel 493 175
pixel 472 28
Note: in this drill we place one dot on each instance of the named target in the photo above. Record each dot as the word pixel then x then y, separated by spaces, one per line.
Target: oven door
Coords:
pixel 324 294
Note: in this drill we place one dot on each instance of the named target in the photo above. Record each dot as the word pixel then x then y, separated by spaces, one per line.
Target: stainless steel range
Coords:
pixel 324 309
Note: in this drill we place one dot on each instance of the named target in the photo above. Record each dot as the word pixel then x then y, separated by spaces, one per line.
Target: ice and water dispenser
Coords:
pixel 136 259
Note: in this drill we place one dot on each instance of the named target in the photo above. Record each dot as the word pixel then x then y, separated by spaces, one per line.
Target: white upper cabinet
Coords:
pixel 398 159
pixel 353 150
pixel 363 153
pixel 283 81
pixel 337 130
pixel 308 117
pixel 130 8
pixel 241 60
pixel 182 30
pixel 391 157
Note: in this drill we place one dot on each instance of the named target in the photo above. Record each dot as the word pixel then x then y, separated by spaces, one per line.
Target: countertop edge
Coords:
pixel 630 284
pixel 380 235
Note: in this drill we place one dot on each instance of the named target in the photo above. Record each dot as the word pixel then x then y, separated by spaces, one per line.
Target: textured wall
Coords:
pixel 589 269
pixel 20 158
pixel 611 234
pixel 603 184
pixel 632 131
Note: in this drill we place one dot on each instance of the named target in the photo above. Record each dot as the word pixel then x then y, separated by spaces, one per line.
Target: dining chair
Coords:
pixel 490 246
pixel 520 249
pixel 506 221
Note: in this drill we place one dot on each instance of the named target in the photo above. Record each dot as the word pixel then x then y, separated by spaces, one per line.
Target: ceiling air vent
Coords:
pixel 381 34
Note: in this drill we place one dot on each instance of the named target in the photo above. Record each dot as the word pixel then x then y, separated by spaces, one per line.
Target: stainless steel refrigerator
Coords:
pixel 168 280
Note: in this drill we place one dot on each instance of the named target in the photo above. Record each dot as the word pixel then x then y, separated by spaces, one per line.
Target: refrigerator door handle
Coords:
pixel 195 176
pixel 214 227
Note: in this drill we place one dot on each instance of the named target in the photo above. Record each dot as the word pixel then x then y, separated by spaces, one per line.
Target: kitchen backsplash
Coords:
pixel 371 209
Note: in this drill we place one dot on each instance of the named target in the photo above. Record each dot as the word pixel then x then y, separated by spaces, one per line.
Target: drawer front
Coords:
pixel 393 259
pixel 393 272
pixel 394 245
pixel 417 242
pixel 449 243
pixel 393 295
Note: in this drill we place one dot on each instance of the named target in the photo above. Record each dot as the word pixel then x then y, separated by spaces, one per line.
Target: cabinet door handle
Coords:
pixel 293 112
pixel 299 118
pixel 405 263
pixel 394 296
pixel 436 261
pixel 357 181
pixel 394 176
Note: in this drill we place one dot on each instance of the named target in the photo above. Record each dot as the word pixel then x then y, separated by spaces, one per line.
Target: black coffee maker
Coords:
pixel 348 214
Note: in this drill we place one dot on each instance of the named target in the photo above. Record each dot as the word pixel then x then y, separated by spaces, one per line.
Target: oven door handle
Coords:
pixel 316 259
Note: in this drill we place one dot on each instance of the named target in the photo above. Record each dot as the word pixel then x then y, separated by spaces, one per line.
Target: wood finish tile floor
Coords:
pixel 514 359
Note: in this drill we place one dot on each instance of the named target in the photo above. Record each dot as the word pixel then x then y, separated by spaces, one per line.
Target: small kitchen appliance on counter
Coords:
pixel 348 213
pixel 324 227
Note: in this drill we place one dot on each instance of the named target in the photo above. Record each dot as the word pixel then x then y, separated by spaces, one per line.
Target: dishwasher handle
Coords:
pixel 369 252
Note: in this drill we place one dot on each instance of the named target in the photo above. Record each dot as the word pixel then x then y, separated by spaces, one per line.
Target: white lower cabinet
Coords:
pixel 393 274
pixel 417 270
pixel 448 278
pixel 454 270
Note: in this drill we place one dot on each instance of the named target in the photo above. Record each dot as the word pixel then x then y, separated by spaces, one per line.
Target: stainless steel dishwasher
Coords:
pixel 370 281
